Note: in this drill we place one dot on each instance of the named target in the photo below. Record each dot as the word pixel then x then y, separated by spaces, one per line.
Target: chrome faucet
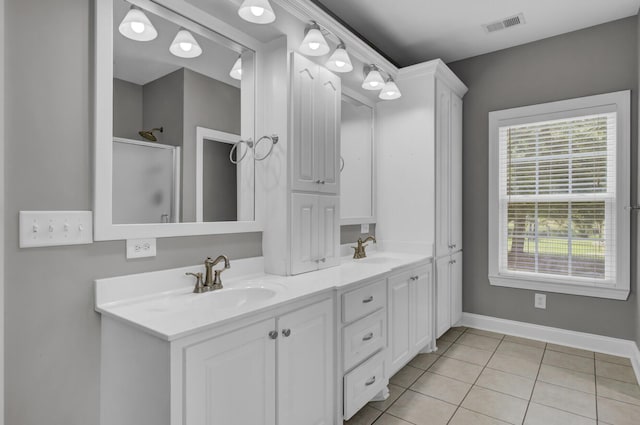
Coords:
pixel 212 279
pixel 215 282
pixel 360 249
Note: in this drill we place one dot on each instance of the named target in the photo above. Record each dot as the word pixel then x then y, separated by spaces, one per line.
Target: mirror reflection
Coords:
pixel 356 178
pixel 182 97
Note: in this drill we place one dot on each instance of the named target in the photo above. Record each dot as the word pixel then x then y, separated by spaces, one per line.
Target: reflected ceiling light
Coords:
pixel 257 11
pixel 236 71
pixel 373 79
pixel 340 60
pixel 390 91
pixel 184 45
pixel 314 43
pixel 137 26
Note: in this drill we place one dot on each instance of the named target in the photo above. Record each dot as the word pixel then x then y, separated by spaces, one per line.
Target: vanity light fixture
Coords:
pixel 373 79
pixel 314 43
pixel 184 45
pixel 390 91
pixel 236 71
pixel 340 60
pixel 137 26
pixel 257 11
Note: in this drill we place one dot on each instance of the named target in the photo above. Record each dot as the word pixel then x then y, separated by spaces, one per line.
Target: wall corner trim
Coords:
pixel 585 341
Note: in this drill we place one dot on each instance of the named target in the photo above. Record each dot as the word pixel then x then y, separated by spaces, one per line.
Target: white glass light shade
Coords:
pixel 257 11
pixel 184 45
pixel 390 91
pixel 373 81
pixel 137 26
pixel 314 43
pixel 340 60
pixel 236 71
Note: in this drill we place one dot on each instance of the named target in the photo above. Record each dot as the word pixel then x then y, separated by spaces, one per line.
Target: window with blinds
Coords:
pixel 560 217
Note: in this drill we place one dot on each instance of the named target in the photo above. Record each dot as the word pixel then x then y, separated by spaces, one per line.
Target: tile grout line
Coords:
pixel 474 382
pixel 526 411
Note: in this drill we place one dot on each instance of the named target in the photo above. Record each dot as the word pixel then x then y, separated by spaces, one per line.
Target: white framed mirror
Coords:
pixel 166 91
pixel 357 175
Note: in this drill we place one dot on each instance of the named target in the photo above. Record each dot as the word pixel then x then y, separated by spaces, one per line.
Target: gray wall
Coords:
pixel 350 234
pixel 220 182
pixel 591 61
pixel 52 333
pixel 163 106
pixel 636 231
pixel 208 103
pixel 127 109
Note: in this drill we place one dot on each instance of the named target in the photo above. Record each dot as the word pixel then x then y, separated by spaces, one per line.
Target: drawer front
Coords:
pixel 362 384
pixel 363 301
pixel 363 338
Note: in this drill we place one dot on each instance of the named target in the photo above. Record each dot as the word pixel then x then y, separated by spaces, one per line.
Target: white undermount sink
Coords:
pixel 377 260
pixel 222 299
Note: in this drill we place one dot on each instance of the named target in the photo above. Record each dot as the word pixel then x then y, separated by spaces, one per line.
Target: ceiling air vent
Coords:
pixel 505 23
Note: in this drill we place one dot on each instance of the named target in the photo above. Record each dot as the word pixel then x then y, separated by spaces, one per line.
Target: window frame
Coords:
pixel 619 102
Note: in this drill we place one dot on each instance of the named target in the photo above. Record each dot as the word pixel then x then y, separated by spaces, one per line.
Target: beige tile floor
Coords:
pixel 483 378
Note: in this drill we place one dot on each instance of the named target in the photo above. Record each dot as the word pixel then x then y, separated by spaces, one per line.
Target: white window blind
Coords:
pixel 560 216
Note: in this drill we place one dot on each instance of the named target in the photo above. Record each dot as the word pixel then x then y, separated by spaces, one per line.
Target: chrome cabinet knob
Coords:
pixel 273 334
pixel 371 381
pixel 286 332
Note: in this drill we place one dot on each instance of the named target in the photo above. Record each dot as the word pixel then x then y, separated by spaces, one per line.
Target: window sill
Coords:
pixel 561 288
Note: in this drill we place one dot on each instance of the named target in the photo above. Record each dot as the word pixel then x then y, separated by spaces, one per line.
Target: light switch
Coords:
pixel 53 228
pixel 364 228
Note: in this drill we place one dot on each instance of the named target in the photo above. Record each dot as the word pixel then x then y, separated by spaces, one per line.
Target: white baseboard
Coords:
pixel 585 341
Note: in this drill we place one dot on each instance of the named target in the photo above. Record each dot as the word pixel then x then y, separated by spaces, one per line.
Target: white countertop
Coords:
pixel 163 304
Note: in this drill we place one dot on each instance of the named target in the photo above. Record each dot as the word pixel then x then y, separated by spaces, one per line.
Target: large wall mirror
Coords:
pixel 173 99
pixel 357 178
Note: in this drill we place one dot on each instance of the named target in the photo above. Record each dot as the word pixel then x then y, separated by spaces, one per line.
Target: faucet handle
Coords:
pixel 199 288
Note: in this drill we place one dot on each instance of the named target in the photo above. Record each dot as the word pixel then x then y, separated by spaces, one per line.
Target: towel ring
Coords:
pixel 274 141
pixel 234 148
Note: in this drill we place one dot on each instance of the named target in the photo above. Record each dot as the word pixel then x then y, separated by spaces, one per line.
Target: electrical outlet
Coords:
pixel 364 228
pixel 140 248
pixel 540 301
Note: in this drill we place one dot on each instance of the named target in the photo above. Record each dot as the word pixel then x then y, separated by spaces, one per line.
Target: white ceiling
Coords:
pixel 413 31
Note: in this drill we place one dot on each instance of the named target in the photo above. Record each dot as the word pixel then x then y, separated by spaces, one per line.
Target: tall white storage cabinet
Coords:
pixel 419 165
pixel 448 237
pixel 315 174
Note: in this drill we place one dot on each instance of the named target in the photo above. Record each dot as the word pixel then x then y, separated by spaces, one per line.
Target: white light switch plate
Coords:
pixel 540 301
pixel 140 248
pixel 364 228
pixel 53 228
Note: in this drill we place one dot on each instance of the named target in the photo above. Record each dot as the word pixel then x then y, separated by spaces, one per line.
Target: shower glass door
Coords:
pixel 145 182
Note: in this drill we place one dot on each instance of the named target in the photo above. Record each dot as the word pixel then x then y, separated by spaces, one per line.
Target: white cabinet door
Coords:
pixel 442 146
pixel 421 307
pixel 399 321
pixel 304 233
pixel 455 175
pixel 305 367
pixel 455 277
pixel 304 135
pixel 217 371
pixel 327 126
pixel 329 231
pixel 443 296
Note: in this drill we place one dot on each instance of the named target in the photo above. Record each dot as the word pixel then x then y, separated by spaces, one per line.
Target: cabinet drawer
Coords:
pixel 363 383
pixel 363 338
pixel 362 301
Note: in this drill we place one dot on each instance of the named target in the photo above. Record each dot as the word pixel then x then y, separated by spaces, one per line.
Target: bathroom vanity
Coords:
pixel 313 348
pixel 288 148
